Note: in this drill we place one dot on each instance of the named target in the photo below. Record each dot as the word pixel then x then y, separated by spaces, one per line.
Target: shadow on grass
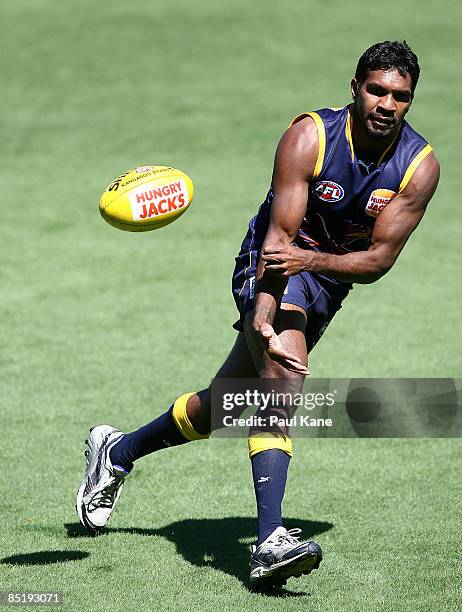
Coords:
pixel 222 544
pixel 45 557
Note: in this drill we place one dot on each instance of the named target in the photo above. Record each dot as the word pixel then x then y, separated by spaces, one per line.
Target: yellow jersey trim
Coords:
pixel 297 119
pixel 382 157
pixel 415 163
pixel 411 169
pixel 181 419
pixel 267 441
pixel 321 137
pixel 322 143
pixel 348 137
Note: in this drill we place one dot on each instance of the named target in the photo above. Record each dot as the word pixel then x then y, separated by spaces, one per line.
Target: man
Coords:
pixel 349 187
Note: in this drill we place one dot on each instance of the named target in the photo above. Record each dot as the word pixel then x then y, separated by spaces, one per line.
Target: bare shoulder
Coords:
pixel 299 146
pixel 423 183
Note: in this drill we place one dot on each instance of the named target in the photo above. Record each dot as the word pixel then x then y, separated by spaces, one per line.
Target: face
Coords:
pixel 381 101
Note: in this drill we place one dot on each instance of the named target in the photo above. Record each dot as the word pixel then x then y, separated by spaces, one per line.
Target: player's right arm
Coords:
pixel 293 169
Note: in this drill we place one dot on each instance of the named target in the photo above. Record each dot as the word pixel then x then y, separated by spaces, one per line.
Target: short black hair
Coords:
pixel 389 55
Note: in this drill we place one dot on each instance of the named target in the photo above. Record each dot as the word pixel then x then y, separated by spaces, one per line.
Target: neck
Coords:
pixel 363 142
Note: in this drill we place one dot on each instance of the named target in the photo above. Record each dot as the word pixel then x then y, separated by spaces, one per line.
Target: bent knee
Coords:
pixel 198 409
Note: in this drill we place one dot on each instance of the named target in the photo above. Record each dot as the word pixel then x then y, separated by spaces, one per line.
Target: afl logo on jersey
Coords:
pixel 328 191
pixel 378 199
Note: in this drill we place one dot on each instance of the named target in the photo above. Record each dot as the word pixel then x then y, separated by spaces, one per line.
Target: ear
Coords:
pixel 354 88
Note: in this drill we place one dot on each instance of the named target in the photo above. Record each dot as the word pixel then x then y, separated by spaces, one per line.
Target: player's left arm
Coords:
pixel 391 231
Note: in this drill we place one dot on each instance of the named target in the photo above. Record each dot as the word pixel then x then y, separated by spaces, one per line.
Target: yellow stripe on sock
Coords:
pixel 181 419
pixel 267 441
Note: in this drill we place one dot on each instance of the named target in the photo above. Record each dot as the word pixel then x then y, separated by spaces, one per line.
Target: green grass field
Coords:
pixel 101 326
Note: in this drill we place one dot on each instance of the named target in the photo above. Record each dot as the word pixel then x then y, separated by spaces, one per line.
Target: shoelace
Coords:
pixel 292 536
pixel 105 498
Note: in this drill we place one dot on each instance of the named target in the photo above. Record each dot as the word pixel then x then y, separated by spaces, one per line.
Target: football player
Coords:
pixel 349 187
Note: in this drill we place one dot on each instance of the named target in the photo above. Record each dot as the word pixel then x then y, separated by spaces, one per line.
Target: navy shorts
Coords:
pixel 320 296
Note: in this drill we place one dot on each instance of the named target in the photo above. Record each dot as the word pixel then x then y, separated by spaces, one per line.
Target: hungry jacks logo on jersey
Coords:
pixel 328 191
pixel 378 199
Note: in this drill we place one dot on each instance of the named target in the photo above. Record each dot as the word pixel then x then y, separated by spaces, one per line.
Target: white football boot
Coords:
pixel 281 556
pixel 102 484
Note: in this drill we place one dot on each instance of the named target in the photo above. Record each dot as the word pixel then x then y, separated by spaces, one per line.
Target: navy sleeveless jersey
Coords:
pixel 345 197
pixel 347 194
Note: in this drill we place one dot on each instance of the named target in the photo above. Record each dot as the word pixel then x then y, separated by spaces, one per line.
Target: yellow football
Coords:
pixel 146 198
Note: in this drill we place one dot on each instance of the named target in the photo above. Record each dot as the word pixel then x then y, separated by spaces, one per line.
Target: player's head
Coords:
pixel 383 86
pixel 389 56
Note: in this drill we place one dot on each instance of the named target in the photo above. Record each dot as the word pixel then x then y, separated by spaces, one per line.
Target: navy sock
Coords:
pixel 269 469
pixel 160 433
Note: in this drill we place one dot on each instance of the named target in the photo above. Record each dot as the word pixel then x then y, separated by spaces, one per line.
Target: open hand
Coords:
pixel 285 260
pixel 275 350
